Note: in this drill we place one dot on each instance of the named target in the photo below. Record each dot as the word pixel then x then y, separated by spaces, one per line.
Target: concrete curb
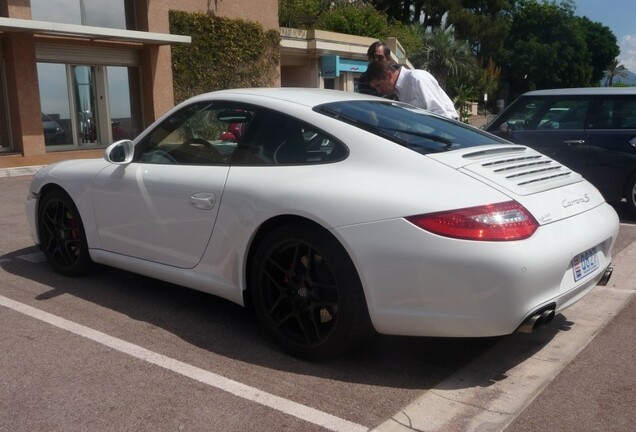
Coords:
pixel 486 395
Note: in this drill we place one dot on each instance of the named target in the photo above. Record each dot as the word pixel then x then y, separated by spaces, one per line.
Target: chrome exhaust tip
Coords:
pixel 547 316
pixel 536 320
pixel 607 274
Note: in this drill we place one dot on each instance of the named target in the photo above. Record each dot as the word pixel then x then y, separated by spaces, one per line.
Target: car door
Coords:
pixel 554 126
pixel 611 136
pixel 162 207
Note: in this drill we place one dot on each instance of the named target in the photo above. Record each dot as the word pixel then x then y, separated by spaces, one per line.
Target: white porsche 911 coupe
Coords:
pixel 334 216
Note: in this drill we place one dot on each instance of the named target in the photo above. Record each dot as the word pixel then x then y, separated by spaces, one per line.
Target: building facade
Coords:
pixel 322 59
pixel 75 75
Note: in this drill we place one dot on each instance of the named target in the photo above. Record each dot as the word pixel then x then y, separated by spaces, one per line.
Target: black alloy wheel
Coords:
pixel 62 236
pixel 307 294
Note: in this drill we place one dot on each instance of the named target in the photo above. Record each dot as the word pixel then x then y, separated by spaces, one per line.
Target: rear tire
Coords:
pixel 307 293
pixel 62 236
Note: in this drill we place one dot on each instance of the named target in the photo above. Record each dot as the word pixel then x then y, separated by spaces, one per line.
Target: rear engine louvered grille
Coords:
pixel 528 170
pixel 521 169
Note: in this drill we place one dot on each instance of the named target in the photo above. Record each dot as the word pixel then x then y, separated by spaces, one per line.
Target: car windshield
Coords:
pixel 411 127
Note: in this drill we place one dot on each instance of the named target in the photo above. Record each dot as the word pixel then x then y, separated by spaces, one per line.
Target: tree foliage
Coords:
pixel 614 70
pixel 601 44
pixel 408 35
pixel 355 19
pixel 362 19
pixel 546 48
pixel 527 44
pixel 428 13
pixel 485 24
pixel 444 56
pixel 300 13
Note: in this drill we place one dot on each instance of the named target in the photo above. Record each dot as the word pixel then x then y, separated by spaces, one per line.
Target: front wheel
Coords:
pixel 62 236
pixel 307 293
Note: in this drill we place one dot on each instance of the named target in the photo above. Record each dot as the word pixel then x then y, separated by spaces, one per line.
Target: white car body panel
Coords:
pixel 454 289
pixel 159 213
pixel 415 282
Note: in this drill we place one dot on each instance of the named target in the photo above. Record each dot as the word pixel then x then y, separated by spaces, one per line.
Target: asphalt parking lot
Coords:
pixel 117 351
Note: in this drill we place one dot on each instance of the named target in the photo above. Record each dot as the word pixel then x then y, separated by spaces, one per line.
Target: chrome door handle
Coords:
pixel 632 142
pixel 574 142
pixel 202 200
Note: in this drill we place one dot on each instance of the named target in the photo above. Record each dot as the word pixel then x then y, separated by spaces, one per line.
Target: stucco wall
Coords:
pixel 15 9
pixel 264 12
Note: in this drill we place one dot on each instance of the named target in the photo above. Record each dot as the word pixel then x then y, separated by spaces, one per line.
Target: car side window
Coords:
pixel 198 134
pixel 628 114
pixel 277 139
pixel 548 113
pixel 563 114
pixel 617 112
pixel 521 114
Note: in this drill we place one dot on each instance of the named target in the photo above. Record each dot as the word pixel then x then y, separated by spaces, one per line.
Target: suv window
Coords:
pixel 614 113
pixel 548 113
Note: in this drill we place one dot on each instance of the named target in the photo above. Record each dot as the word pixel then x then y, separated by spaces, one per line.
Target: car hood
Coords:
pixel 548 189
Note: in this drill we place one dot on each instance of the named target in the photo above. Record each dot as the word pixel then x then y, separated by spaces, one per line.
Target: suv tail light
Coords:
pixel 493 222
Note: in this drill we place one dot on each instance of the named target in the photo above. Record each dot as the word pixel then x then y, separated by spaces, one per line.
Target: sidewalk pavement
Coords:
pixel 480 120
pixel 577 374
pixel 596 391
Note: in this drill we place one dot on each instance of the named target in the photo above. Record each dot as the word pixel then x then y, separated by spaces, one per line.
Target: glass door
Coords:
pixel 85 97
pixel 86 106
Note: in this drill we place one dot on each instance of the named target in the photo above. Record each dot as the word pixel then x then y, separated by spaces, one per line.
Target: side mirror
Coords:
pixel 120 152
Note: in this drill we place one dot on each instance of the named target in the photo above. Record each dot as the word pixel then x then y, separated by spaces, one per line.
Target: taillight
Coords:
pixel 493 222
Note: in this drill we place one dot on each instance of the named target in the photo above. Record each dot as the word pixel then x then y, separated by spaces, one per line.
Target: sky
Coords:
pixel 619 16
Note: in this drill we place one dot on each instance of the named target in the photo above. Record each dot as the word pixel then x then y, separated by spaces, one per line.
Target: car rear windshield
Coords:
pixel 411 127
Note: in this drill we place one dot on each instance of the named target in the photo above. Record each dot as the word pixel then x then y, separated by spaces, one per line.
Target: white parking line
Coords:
pixel 19 171
pixel 252 394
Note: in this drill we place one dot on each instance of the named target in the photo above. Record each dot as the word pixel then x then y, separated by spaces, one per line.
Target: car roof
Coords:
pixel 583 91
pixel 301 95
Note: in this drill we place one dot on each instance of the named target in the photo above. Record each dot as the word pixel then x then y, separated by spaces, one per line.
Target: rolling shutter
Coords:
pixel 84 54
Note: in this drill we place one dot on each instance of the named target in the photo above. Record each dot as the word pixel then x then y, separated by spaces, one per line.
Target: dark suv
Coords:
pixel 590 130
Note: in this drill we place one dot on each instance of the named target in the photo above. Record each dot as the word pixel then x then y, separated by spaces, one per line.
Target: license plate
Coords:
pixel 584 264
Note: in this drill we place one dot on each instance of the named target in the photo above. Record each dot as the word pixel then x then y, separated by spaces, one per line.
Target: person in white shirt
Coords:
pixel 415 87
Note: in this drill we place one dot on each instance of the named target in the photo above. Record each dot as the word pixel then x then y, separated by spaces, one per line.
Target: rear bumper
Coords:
pixel 420 284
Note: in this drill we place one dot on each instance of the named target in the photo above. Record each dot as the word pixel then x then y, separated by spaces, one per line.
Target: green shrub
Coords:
pixel 355 20
pixel 224 53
